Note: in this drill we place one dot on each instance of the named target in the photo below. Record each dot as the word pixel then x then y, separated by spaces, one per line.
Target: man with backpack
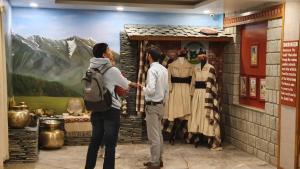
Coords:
pixel 99 96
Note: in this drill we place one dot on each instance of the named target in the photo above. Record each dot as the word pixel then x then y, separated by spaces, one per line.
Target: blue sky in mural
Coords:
pixel 102 26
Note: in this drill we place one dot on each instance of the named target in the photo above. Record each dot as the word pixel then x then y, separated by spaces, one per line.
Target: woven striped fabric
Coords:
pixel 140 97
pixel 212 106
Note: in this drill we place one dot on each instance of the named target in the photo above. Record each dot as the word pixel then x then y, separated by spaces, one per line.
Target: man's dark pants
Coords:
pixel 105 129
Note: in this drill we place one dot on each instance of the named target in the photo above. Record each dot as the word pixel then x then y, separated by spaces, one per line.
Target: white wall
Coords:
pixel 2 130
pixel 288 114
pixel 4 43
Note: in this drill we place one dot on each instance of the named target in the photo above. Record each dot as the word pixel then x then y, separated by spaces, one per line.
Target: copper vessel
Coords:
pixel 18 116
pixel 52 137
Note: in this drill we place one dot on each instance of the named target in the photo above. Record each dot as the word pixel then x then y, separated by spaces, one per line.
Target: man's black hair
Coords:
pixel 99 49
pixel 155 55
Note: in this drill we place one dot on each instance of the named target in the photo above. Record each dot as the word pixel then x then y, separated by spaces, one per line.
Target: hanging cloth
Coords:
pixel 140 97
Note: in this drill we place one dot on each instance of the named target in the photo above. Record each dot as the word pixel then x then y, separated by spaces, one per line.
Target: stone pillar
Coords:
pixel 231 73
pixel 288 115
pixel 274 36
pixel 131 128
pixel 129 67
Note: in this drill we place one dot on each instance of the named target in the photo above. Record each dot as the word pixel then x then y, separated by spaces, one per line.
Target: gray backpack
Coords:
pixel 96 96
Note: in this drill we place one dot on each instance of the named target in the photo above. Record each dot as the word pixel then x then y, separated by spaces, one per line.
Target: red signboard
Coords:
pixel 289 61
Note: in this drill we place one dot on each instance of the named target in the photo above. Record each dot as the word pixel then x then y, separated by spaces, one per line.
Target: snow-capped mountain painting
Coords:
pixel 62 61
pixel 51 48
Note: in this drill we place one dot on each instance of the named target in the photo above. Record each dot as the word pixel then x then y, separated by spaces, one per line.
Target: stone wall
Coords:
pixel 132 128
pixel 129 67
pixel 79 138
pixel 23 144
pixel 131 131
pixel 252 130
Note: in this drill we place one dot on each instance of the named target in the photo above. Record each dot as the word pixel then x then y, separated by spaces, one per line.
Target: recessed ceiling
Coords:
pixel 172 6
pixel 152 2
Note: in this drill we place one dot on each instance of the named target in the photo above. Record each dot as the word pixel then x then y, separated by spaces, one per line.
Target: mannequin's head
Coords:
pixel 172 54
pixel 202 57
pixel 182 53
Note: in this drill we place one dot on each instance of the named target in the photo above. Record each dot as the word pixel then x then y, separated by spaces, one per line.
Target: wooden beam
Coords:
pixel 180 38
pixel 267 14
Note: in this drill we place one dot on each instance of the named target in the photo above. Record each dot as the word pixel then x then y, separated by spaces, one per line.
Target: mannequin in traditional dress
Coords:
pixel 205 117
pixel 179 104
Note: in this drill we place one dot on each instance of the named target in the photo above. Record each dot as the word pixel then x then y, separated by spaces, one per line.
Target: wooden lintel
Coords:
pixel 180 38
pixel 267 14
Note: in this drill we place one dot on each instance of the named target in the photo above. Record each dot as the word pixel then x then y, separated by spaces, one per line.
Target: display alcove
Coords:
pixel 133 41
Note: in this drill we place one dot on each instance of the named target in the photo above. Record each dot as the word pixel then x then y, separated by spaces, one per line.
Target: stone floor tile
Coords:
pixel 133 156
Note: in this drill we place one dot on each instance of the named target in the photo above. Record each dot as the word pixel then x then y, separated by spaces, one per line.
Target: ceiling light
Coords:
pixel 120 8
pixel 248 13
pixel 34 5
pixel 206 12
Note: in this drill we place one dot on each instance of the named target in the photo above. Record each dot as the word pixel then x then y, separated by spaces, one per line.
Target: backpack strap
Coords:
pixel 104 69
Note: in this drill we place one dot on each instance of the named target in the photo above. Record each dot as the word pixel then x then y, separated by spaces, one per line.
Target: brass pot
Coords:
pixel 18 116
pixel 22 104
pixel 52 124
pixel 52 139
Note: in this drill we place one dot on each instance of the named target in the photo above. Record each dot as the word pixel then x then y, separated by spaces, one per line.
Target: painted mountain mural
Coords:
pixel 46 67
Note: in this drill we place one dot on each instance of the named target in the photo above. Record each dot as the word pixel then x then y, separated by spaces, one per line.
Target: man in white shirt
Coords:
pixel 156 92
